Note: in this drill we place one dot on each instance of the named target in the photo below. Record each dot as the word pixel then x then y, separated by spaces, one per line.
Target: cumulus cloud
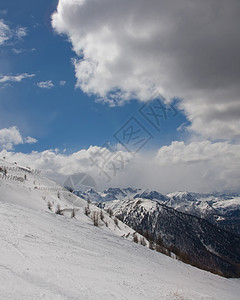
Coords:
pixel 10 137
pixel 202 165
pixel 45 84
pixel 15 78
pixel 140 49
pixel 198 166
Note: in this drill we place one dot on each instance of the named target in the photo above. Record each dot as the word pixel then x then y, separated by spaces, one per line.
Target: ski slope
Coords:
pixel 49 256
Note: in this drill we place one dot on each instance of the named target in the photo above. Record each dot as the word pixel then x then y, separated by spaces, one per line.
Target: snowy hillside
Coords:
pixel 194 240
pixel 44 255
pixel 26 187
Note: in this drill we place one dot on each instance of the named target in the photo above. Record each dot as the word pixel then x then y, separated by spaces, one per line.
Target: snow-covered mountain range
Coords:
pixel 185 223
pixel 49 255
pixel 222 210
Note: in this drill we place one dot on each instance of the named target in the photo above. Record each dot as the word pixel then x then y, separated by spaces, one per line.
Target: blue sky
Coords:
pixel 62 116
pixel 72 73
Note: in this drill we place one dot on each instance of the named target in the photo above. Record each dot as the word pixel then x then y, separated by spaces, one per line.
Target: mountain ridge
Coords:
pixel 192 239
pixel 219 209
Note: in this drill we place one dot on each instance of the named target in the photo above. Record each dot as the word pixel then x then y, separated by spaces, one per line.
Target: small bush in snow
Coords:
pixel 163 250
pixel 49 205
pixel 101 215
pixel 116 221
pixel 110 212
pixel 151 245
pixel 73 214
pixel 143 242
pixel 95 218
pixel 59 211
pixel 135 238
pixel 87 211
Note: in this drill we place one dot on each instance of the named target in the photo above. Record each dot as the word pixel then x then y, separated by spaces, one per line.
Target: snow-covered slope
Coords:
pixel 26 187
pixel 194 240
pixel 48 256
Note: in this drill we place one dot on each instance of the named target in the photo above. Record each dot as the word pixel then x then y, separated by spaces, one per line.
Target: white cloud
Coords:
pixel 140 49
pixel 19 51
pixel 30 140
pixel 198 166
pixel 5 32
pixel 202 166
pixel 15 78
pixel 21 32
pixel 10 137
pixel 45 84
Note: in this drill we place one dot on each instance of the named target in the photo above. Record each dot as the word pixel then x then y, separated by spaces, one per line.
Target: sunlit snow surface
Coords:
pixel 47 256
